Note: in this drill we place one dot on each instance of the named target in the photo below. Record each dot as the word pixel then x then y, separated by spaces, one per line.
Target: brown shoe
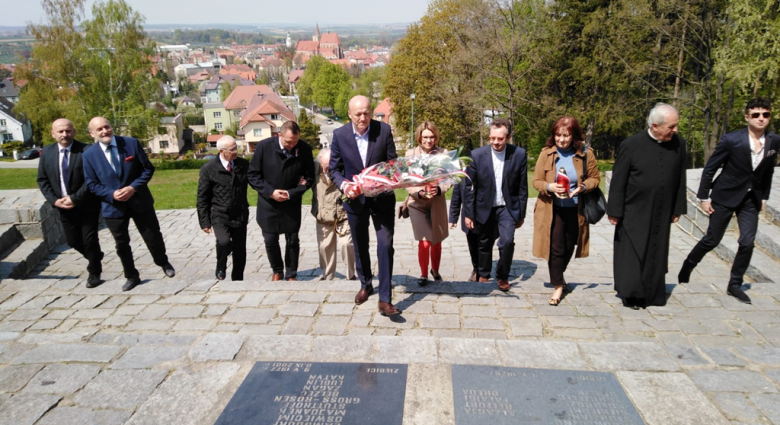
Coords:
pixel 473 277
pixel 387 309
pixel 503 285
pixel 483 280
pixel 363 295
pixel 276 277
pixel 292 279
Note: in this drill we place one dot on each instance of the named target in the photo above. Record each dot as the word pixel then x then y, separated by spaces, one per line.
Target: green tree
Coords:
pixel 310 131
pixel 306 83
pixel 330 82
pixel 342 100
pixel 80 69
pixel 262 78
pixel 4 73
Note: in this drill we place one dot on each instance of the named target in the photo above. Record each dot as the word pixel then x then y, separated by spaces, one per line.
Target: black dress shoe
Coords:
pixel 221 275
pixel 131 283
pixel 168 269
pixel 685 272
pixel 387 309
pixel 737 292
pixel 422 281
pixel 93 280
pixel 436 275
pixel 363 295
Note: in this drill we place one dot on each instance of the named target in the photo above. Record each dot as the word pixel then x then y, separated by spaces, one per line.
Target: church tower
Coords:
pixel 316 33
pixel 288 42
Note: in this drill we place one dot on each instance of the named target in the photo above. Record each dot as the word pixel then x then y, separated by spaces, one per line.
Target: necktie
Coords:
pixel 114 159
pixel 64 170
pixel 230 167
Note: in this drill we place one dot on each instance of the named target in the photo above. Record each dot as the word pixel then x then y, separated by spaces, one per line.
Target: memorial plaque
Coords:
pixel 293 393
pixel 502 395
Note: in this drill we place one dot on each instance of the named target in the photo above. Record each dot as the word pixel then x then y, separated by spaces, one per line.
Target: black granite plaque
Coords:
pixel 501 395
pixel 277 393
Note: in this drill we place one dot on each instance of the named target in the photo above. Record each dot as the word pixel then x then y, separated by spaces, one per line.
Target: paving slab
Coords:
pixel 58 378
pixel 80 415
pixel 633 356
pixel 732 380
pixel 146 356
pixel 26 409
pixel 14 378
pixel 120 389
pixel 217 346
pixel 52 353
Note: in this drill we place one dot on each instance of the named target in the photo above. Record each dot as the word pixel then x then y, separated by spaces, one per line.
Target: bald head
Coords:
pixel 360 113
pixel 63 132
pixel 100 130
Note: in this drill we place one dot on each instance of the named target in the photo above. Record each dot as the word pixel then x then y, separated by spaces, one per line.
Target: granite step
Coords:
pixel 768 238
pixel 763 268
pixel 23 259
pixel 10 238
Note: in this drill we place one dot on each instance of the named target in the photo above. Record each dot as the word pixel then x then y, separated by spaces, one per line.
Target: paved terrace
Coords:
pixel 175 350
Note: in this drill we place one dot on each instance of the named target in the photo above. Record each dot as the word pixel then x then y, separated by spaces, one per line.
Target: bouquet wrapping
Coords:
pixel 403 172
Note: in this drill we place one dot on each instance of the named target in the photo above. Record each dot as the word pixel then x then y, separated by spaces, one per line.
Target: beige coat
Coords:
pixel 429 216
pixel 324 201
pixel 543 211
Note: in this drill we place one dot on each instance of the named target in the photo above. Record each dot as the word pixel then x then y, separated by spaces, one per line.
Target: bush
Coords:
pixel 9 147
pixel 182 164
pixel 194 120
pixel 605 166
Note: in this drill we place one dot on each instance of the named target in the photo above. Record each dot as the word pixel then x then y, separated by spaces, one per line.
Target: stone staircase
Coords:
pixel 29 229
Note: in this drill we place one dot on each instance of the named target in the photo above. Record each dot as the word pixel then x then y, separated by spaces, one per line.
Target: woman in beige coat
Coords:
pixel 558 221
pixel 428 207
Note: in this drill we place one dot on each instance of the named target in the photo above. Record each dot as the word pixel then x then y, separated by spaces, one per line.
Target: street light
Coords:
pixel 411 133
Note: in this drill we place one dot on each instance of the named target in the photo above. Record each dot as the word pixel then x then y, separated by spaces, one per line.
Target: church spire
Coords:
pixel 316 32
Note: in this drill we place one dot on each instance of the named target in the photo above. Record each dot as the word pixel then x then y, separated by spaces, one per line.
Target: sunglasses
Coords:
pixel 758 114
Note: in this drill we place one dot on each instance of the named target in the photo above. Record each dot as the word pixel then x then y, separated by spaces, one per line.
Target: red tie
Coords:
pixel 230 167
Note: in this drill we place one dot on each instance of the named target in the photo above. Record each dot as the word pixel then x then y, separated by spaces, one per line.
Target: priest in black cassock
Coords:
pixel 646 195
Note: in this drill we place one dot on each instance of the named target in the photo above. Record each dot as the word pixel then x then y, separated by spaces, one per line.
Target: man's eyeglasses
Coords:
pixel 758 114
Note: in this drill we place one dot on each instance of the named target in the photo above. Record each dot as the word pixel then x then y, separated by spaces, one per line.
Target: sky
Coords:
pixel 324 12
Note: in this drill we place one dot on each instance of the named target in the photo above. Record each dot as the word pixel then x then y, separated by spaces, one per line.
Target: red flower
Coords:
pixel 129 158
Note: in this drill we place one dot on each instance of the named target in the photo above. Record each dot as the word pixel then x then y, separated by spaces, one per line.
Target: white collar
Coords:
pixel 224 163
pixel 113 143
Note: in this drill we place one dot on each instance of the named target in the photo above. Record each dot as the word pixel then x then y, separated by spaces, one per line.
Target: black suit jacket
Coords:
pixel 456 203
pixel 738 176
pixel 514 184
pixel 345 161
pixel 49 169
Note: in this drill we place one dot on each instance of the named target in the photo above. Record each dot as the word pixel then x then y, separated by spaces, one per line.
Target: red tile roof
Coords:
pixel 329 38
pixel 242 95
pixel 307 46
pixel 295 75
pixel 385 108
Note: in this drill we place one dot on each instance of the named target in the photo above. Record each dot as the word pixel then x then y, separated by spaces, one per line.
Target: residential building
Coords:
pixel 327 45
pixel 212 90
pixel 262 119
pixel 242 96
pixel 216 117
pixel 384 112
pixel 293 78
pixel 170 137
pixel 8 90
pixel 242 71
pixel 13 126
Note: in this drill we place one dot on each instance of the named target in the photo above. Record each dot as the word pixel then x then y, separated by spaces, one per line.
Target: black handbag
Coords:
pixel 594 205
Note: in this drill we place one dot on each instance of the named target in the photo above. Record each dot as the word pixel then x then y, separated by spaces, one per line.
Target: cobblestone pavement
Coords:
pixel 175 350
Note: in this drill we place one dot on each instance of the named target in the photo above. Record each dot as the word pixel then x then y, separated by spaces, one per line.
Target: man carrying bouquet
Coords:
pixel 354 147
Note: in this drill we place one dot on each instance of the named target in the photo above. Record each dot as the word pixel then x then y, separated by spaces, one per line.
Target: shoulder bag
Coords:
pixel 594 205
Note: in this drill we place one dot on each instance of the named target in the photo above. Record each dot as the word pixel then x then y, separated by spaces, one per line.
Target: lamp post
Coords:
pixel 411 133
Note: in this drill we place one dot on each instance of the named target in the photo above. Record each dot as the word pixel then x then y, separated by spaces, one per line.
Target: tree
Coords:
pixel 262 78
pixel 104 72
pixel 329 83
pixel 4 73
pixel 306 83
pixel 310 131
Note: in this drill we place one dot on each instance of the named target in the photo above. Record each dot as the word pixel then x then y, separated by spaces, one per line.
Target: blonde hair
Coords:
pixel 426 125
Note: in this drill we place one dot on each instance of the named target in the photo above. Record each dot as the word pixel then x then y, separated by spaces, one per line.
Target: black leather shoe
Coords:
pixel 221 275
pixel 168 269
pixel 363 295
pixel 436 275
pixel 685 272
pixel 93 280
pixel 388 309
pixel 422 281
pixel 737 292
pixel 131 283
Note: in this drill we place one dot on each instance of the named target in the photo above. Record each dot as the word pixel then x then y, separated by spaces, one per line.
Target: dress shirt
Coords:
pixel 107 152
pixel 59 166
pixel 756 157
pixel 287 153
pixel 362 144
pixel 498 171
pixel 225 163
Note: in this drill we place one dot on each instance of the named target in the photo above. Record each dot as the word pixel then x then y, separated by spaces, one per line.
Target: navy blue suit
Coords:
pixel 491 222
pixel 739 189
pixel 459 213
pixel 103 181
pixel 345 162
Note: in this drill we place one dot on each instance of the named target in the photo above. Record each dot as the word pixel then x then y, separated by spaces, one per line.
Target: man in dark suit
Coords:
pixel 496 205
pixel 355 146
pixel 61 179
pixel 222 205
pixel 748 158
pixel 472 238
pixel 117 170
pixel 281 171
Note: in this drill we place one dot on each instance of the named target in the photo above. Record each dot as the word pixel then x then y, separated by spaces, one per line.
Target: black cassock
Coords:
pixel 647 190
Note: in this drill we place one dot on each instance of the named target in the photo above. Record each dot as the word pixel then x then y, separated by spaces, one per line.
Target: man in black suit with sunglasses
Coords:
pixel 748 158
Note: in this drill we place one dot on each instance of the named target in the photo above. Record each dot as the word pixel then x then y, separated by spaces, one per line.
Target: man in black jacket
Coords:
pixel 222 206
pixel 748 158
pixel 61 179
pixel 281 171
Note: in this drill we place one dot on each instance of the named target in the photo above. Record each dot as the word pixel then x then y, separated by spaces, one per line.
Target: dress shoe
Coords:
pixel 363 295
pixel 353 278
pixel 387 309
pixel 276 277
pixel 168 269
pixel 737 292
pixel 483 280
pixel 93 280
pixel 422 281
pixel 473 277
pixel 292 279
pixel 220 275
pixel 503 285
pixel 685 272
pixel 436 275
pixel 131 283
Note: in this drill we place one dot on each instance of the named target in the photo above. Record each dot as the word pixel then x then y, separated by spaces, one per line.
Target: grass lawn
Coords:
pixel 172 189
